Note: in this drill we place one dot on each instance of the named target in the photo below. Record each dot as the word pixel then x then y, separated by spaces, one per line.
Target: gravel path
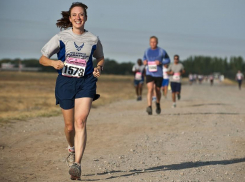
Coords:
pixel 201 140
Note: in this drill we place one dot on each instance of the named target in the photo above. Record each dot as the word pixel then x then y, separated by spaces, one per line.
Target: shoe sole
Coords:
pixel 75 178
pixel 75 173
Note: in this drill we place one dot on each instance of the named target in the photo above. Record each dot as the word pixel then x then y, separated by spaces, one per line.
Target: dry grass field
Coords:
pixel 26 94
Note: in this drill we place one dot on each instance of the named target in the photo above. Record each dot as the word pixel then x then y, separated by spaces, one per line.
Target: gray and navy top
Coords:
pixel 68 44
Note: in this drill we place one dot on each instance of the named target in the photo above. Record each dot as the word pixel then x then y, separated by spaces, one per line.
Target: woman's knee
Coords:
pixel 80 122
pixel 69 127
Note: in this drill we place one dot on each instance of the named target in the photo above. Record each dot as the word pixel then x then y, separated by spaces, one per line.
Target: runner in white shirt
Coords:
pixel 239 78
pixel 165 81
pixel 76 83
pixel 139 73
pixel 191 79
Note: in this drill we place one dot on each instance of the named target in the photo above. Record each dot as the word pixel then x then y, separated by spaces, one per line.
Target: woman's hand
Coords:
pixel 58 64
pixel 97 72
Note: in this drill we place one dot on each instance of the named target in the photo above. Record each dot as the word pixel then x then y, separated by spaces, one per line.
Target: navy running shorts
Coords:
pixel 156 80
pixel 175 87
pixel 137 82
pixel 68 89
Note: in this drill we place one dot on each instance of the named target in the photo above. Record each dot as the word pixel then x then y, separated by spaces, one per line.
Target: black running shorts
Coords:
pixel 156 80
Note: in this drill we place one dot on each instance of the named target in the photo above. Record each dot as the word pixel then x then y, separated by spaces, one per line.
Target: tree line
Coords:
pixel 206 65
pixel 194 64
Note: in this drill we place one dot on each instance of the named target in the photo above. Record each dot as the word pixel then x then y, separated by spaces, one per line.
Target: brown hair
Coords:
pixel 154 37
pixel 64 22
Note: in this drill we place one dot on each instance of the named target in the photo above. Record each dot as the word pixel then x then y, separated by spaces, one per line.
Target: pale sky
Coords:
pixel 184 27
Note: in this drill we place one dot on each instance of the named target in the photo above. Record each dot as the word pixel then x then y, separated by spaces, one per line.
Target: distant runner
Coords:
pixel 191 78
pixel 211 78
pixel 139 73
pixel 176 69
pixel 239 78
pixel 165 81
pixel 154 58
pixel 200 78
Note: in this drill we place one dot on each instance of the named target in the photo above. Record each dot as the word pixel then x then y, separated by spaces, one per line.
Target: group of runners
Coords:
pixel 193 78
pixel 158 71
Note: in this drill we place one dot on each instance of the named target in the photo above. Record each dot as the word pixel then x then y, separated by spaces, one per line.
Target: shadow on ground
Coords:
pixel 186 165
pixel 208 104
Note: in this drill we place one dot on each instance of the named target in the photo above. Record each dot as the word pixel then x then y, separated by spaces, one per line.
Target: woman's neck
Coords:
pixel 78 31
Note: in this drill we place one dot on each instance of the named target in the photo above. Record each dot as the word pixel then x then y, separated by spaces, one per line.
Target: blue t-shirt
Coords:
pixel 157 54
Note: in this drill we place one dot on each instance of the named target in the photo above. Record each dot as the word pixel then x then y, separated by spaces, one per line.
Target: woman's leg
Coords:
pixel 165 90
pixel 68 115
pixel 82 109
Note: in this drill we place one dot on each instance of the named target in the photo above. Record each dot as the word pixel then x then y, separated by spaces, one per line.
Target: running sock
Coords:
pixel 71 149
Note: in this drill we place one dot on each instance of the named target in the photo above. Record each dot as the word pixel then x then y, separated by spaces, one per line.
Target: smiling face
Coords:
pixel 78 17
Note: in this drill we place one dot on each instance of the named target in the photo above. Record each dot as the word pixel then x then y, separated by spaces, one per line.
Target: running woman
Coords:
pixel 139 72
pixel 154 58
pixel 76 82
pixel 176 69
pixel 165 81
pixel 239 78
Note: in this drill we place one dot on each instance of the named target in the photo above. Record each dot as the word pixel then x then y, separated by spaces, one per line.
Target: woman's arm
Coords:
pixel 49 62
pixel 98 69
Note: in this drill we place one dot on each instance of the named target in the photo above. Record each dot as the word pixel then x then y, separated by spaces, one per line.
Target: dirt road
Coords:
pixel 203 139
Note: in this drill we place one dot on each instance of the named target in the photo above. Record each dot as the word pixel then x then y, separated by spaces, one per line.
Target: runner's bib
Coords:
pixel 176 76
pixel 152 66
pixel 74 67
pixel 138 76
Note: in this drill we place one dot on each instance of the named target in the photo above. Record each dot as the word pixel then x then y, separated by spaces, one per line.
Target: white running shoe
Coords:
pixel 174 105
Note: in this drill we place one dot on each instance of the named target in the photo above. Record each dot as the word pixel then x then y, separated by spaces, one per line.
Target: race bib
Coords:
pixel 239 77
pixel 152 66
pixel 74 67
pixel 176 76
pixel 138 76
pixel 165 75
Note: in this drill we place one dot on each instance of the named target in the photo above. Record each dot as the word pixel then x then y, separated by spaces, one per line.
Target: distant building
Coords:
pixel 19 67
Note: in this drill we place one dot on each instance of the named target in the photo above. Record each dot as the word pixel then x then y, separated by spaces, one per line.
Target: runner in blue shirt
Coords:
pixel 154 58
pixel 76 83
